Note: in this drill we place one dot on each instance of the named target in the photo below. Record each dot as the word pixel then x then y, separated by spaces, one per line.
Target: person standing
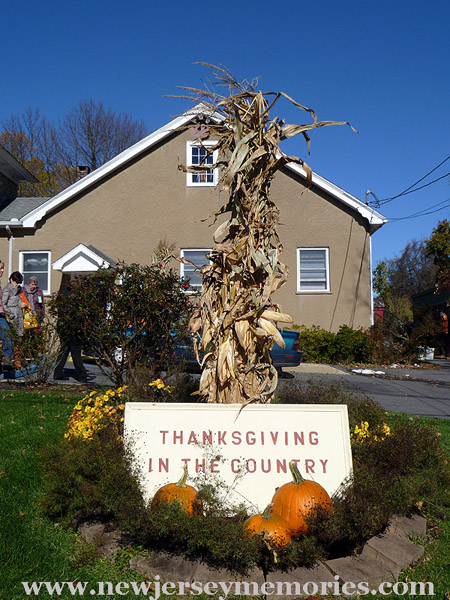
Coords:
pixel 12 302
pixel 4 328
pixel 35 297
pixel 70 343
pixel 12 307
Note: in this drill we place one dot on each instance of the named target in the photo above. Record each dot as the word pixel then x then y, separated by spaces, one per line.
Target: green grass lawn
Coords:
pixel 32 548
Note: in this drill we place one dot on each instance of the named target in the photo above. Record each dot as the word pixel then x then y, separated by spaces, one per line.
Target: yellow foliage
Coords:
pixel 361 433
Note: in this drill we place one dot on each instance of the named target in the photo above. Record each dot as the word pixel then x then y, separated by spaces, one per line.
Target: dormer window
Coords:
pixel 197 155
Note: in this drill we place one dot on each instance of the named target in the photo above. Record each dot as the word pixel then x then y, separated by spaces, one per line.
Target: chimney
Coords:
pixel 82 171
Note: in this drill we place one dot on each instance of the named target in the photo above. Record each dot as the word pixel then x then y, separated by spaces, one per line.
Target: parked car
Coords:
pixel 290 356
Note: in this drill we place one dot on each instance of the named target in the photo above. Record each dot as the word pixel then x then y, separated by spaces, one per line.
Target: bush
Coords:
pixel 346 346
pixel 129 316
pixel 394 470
pixel 35 351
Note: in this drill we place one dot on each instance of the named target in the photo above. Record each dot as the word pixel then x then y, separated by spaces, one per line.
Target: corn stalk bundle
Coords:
pixel 236 322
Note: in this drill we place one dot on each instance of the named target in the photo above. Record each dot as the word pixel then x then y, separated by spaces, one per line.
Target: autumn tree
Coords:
pixel 438 247
pixel 411 272
pixel 88 135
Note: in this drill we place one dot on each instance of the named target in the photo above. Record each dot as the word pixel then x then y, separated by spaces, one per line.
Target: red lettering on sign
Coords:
pixel 324 465
pixel 200 465
pixel 313 438
pixel 299 438
pixel 281 466
pixel 163 464
pixel 267 468
pixel 215 466
pixel 207 437
pixel 221 437
pixel 250 437
pixel 274 436
pixel 192 439
pixel 149 465
pixel 164 436
pixel 251 465
pixel 234 468
pixel 236 438
pixel 309 465
pixel 177 436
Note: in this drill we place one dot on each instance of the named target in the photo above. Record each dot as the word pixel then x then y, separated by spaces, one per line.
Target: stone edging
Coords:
pixel 381 560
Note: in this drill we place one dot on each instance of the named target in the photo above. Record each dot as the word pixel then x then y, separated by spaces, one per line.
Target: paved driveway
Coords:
pixel 423 392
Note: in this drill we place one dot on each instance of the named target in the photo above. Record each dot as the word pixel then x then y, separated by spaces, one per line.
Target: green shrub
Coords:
pixel 128 316
pixel 346 346
pixel 393 472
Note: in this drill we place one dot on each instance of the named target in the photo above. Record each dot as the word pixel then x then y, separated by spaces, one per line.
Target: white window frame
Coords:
pixel 192 288
pixel 22 254
pixel 327 271
pixel 190 176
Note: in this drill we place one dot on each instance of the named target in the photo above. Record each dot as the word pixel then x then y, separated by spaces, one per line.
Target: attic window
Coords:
pixel 197 155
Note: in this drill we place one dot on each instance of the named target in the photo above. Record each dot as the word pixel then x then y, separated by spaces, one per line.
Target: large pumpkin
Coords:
pixel 273 526
pixel 186 496
pixel 293 501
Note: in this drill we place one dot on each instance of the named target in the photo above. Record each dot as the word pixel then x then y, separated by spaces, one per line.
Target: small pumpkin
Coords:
pixel 272 525
pixel 186 496
pixel 293 501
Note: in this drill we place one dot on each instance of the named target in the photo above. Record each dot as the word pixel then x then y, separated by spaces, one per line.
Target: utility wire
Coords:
pixel 426 211
pixel 405 193
pixel 409 189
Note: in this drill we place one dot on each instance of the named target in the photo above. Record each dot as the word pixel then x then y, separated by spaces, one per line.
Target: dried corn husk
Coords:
pixel 235 318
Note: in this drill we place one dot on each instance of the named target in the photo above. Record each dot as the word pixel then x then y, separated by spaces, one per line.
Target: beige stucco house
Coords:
pixel 123 209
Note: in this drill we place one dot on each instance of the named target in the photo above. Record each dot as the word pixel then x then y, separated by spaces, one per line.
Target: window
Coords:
pixel 313 270
pixel 36 263
pixel 196 155
pixel 198 258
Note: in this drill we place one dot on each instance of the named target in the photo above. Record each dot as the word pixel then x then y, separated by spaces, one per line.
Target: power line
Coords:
pixel 426 211
pixel 409 189
pixel 405 193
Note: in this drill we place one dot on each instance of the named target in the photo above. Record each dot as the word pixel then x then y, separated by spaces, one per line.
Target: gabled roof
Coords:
pixel 17 208
pixel 374 218
pixel 83 259
pixel 13 170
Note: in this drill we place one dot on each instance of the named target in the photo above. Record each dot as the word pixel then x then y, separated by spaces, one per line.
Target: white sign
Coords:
pixel 248 450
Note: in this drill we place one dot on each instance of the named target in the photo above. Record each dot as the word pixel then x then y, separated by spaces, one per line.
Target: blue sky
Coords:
pixel 383 66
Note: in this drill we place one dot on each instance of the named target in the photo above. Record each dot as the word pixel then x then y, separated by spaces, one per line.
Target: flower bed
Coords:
pixel 398 468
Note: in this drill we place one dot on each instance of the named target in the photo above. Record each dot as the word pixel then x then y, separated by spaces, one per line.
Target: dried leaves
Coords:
pixel 235 324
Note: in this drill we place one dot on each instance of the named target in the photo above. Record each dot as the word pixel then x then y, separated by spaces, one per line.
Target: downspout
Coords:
pixel 372 320
pixel 10 249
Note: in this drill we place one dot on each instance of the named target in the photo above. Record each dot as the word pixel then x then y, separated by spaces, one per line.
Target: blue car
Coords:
pixel 290 356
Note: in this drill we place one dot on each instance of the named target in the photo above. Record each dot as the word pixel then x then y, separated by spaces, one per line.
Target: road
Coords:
pixel 423 392
pixel 415 391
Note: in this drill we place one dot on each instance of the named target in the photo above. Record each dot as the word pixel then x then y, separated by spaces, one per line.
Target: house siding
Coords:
pixel 127 214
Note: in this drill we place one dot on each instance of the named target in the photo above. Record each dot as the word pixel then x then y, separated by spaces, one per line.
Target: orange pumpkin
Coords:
pixel 293 501
pixel 273 526
pixel 186 496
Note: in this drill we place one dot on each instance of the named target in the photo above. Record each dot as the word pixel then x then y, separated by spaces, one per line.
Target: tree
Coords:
pixel 93 135
pixel 410 273
pixel 129 316
pixel 89 135
pixel 438 247
pixel 236 320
